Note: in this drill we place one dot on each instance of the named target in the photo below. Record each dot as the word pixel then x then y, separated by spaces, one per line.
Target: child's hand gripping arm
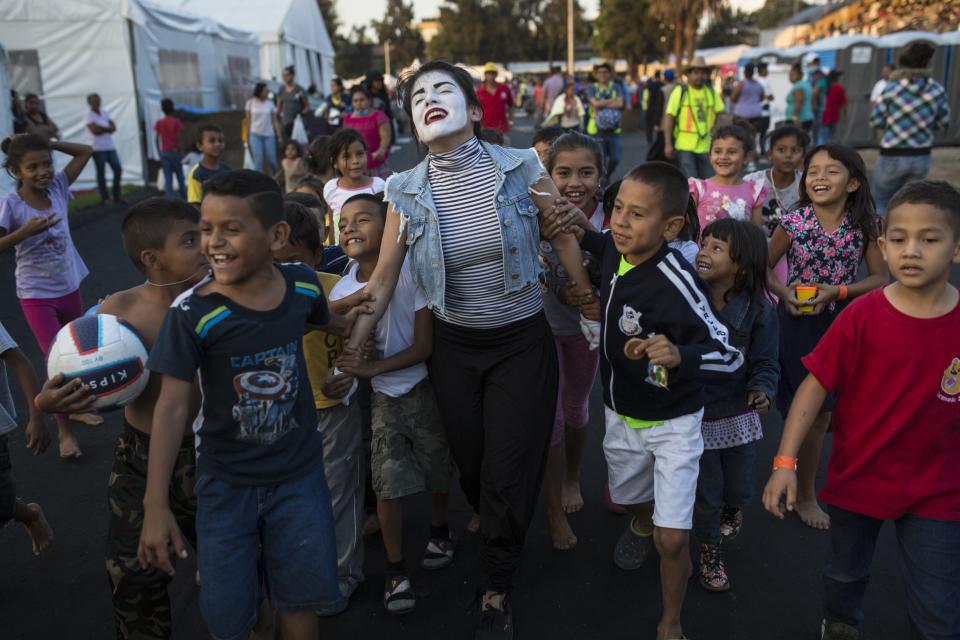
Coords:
pixel 777 247
pixel 783 481
pixel 354 362
pixel 557 210
pixel 38 437
pixel 160 530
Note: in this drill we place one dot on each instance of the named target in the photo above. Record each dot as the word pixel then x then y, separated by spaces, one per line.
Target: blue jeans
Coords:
pixel 929 554
pixel 171 163
pixel 827 133
pixel 279 536
pixel 892 172
pixel 264 146
pixel 100 160
pixel 726 478
pixel 695 165
pixel 612 151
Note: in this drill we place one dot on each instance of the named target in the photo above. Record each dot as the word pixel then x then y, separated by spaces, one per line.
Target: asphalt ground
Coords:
pixel 774 566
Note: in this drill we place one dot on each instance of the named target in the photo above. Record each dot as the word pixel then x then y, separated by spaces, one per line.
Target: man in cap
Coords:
pixel 690 116
pixel 496 100
pixel 606 99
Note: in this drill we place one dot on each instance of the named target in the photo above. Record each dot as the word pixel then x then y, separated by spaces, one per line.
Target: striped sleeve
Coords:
pixel 705 353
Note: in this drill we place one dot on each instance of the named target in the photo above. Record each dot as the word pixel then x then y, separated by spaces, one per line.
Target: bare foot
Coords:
pixel 560 531
pixel 39 530
pixel 572 500
pixel 812 515
pixel 474 525
pixel 69 448
pixel 90 419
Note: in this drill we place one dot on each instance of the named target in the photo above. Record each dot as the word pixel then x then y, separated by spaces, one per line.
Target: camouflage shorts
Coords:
pixel 409 451
pixel 141 605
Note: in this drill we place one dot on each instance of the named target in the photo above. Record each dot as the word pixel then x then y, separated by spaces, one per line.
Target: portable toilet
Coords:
pixel 860 59
pixel 951 82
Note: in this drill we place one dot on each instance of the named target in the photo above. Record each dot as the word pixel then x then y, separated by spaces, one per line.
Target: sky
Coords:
pixel 353 12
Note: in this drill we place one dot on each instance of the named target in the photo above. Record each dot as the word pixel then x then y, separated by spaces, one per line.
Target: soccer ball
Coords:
pixel 106 353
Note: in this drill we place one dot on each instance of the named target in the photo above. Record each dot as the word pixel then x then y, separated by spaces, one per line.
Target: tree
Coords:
pixel 627 29
pixel 464 32
pixel 729 27
pixel 355 57
pixel 684 16
pixel 773 12
pixel 551 28
pixel 406 43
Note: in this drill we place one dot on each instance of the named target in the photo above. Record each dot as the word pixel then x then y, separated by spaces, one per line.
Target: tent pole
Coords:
pixel 141 119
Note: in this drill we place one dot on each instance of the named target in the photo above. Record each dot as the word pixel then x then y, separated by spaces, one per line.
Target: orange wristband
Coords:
pixel 842 295
pixel 784 462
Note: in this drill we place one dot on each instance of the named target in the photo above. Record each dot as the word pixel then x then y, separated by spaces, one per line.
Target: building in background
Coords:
pixel 132 54
pixel 292 32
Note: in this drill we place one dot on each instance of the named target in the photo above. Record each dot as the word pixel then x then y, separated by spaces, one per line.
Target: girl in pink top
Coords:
pixel 726 194
pixel 348 151
pixel 374 126
pixel 33 219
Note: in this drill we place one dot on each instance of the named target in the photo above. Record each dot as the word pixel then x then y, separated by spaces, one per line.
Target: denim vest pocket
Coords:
pixel 530 219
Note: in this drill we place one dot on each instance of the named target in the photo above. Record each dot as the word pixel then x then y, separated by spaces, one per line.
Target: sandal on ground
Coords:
pixel 398 595
pixel 632 549
pixel 439 554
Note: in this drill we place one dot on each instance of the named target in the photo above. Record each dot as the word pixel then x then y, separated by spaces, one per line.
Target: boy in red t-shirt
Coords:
pixel 893 359
pixel 168 130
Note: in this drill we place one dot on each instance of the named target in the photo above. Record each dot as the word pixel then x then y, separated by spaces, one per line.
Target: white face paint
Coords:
pixel 439 107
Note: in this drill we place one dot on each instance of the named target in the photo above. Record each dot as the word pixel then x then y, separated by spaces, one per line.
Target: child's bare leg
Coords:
pixel 298 625
pixel 576 442
pixel 560 531
pixel 439 506
pixel 263 627
pixel 643 513
pixel 69 447
pixel 673 547
pixel 32 518
pixel 390 513
pixel 807 462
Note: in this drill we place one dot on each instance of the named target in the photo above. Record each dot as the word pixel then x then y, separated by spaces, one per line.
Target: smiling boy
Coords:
pixel 661 342
pixel 210 143
pixel 409 449
pixel 264 512
pixel 893 359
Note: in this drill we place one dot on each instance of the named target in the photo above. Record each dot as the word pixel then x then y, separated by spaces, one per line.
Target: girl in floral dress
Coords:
pixel 726 194
pixel 825 240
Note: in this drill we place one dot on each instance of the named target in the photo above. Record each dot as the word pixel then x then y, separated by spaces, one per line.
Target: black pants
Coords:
pixel 497 392
pixel 761 125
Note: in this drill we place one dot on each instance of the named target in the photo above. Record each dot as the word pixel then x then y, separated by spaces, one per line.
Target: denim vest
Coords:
pixel 517 171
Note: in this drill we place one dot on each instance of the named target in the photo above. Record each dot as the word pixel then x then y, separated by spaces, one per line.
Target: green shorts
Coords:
pixel 409 451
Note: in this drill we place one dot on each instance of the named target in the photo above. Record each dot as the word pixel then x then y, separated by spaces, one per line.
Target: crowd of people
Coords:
pixel 458 314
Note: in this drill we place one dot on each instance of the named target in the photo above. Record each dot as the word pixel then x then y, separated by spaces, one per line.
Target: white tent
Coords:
pixel 292 32
pixel 131 53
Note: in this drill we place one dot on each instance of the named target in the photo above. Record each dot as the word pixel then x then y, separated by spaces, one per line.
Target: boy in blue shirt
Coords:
pixel 263 514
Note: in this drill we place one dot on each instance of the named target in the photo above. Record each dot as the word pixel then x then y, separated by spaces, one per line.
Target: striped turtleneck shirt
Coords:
pixel 463 184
